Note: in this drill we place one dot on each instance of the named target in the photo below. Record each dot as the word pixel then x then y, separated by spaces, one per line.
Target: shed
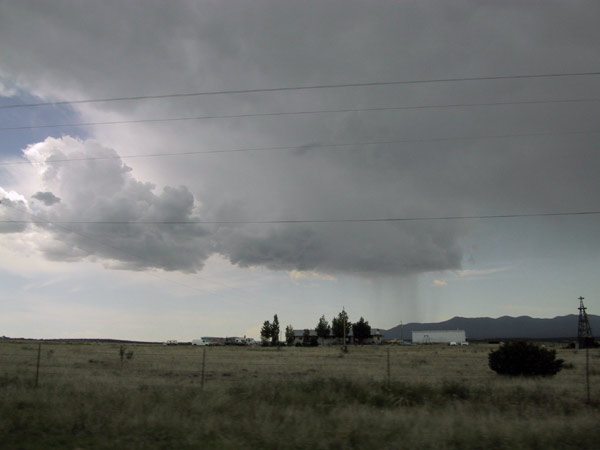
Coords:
pixel 438 336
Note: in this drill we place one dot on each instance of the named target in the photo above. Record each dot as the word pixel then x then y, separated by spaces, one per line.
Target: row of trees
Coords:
pixel 339 328
pixel 270 331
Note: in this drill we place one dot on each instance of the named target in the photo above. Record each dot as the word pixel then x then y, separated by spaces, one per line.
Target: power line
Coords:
pixel 310 146
pixel 301 221
pixel 291 113
pixel 301 88
pixel 120 250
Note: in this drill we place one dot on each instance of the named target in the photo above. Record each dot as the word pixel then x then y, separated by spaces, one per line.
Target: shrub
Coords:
pixel 524 358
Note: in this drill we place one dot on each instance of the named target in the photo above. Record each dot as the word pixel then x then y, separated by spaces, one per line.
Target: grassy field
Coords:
pixel 418 397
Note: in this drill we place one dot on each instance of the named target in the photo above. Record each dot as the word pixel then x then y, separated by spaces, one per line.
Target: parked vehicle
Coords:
pixel 235 341
pixel 198 342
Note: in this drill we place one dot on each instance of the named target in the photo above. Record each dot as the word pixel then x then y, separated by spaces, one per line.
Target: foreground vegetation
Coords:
pixel 435 398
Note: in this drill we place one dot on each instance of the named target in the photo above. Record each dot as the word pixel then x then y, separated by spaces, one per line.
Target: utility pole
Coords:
pixel 585 338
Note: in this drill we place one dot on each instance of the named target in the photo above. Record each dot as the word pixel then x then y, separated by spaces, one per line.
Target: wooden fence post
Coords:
pixel 37 368
pixel 389 380
pixel 203 368
pixel 587 373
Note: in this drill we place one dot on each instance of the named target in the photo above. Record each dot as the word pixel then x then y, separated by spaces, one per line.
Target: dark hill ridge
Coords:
pixel 504 327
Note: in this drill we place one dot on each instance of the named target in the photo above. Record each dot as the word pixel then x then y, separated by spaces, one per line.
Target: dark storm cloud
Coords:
pixel 107 50
pixel 47 198
pixel 351 250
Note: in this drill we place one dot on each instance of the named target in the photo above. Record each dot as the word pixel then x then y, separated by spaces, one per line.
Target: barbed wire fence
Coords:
pixel 152 366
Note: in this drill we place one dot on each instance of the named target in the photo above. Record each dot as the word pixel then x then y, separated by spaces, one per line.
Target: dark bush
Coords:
pixel 524 358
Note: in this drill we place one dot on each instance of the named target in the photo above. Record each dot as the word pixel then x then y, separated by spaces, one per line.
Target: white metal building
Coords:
pixel 438 336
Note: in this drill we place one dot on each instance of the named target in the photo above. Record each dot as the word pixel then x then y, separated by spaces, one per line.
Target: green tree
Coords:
pixel 323 329
pixel 306 337
pixel 524 358
pixel 275 330
pixel 289 335
pixel 361 330
pixel 339 323
pixel 265 332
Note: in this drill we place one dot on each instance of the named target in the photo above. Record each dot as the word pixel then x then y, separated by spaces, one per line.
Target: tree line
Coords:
pixel 339 328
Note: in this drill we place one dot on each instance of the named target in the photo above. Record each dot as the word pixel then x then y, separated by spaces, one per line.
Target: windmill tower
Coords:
pixel 585 338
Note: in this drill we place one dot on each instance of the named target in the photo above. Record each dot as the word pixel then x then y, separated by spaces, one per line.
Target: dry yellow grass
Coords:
pixel 437 397
pixel 174 365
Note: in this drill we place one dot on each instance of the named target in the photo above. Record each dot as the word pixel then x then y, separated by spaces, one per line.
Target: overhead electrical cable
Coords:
pixel 292 113
pixel 302 221
pixel 308 146
pixel 303 88
pixel 120 250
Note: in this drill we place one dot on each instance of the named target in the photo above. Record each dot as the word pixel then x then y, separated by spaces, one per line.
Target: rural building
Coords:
pixel 376 337
pixel 211 340
pixel 312 338
pixel 438 336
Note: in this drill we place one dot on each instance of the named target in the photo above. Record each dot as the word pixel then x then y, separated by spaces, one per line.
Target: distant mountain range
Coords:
pixel 505 327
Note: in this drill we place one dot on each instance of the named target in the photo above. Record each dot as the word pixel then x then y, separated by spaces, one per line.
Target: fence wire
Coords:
pixel 143 366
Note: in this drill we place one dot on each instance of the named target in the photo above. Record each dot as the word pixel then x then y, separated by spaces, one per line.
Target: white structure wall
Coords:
pixel 438 336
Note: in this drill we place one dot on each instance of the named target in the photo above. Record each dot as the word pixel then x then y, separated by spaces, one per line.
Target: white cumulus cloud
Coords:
pixel 104 190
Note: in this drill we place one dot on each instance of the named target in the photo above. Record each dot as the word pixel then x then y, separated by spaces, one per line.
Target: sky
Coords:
pixel 92 239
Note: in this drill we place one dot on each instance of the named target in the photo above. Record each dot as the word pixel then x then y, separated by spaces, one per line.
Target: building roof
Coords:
pixel 300 333
pixel 437 331
pixel 375 332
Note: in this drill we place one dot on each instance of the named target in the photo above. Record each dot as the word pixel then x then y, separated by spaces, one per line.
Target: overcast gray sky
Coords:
pixel 537 154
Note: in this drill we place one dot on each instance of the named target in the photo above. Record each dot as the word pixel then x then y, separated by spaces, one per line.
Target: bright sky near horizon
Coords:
pixel 501 144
